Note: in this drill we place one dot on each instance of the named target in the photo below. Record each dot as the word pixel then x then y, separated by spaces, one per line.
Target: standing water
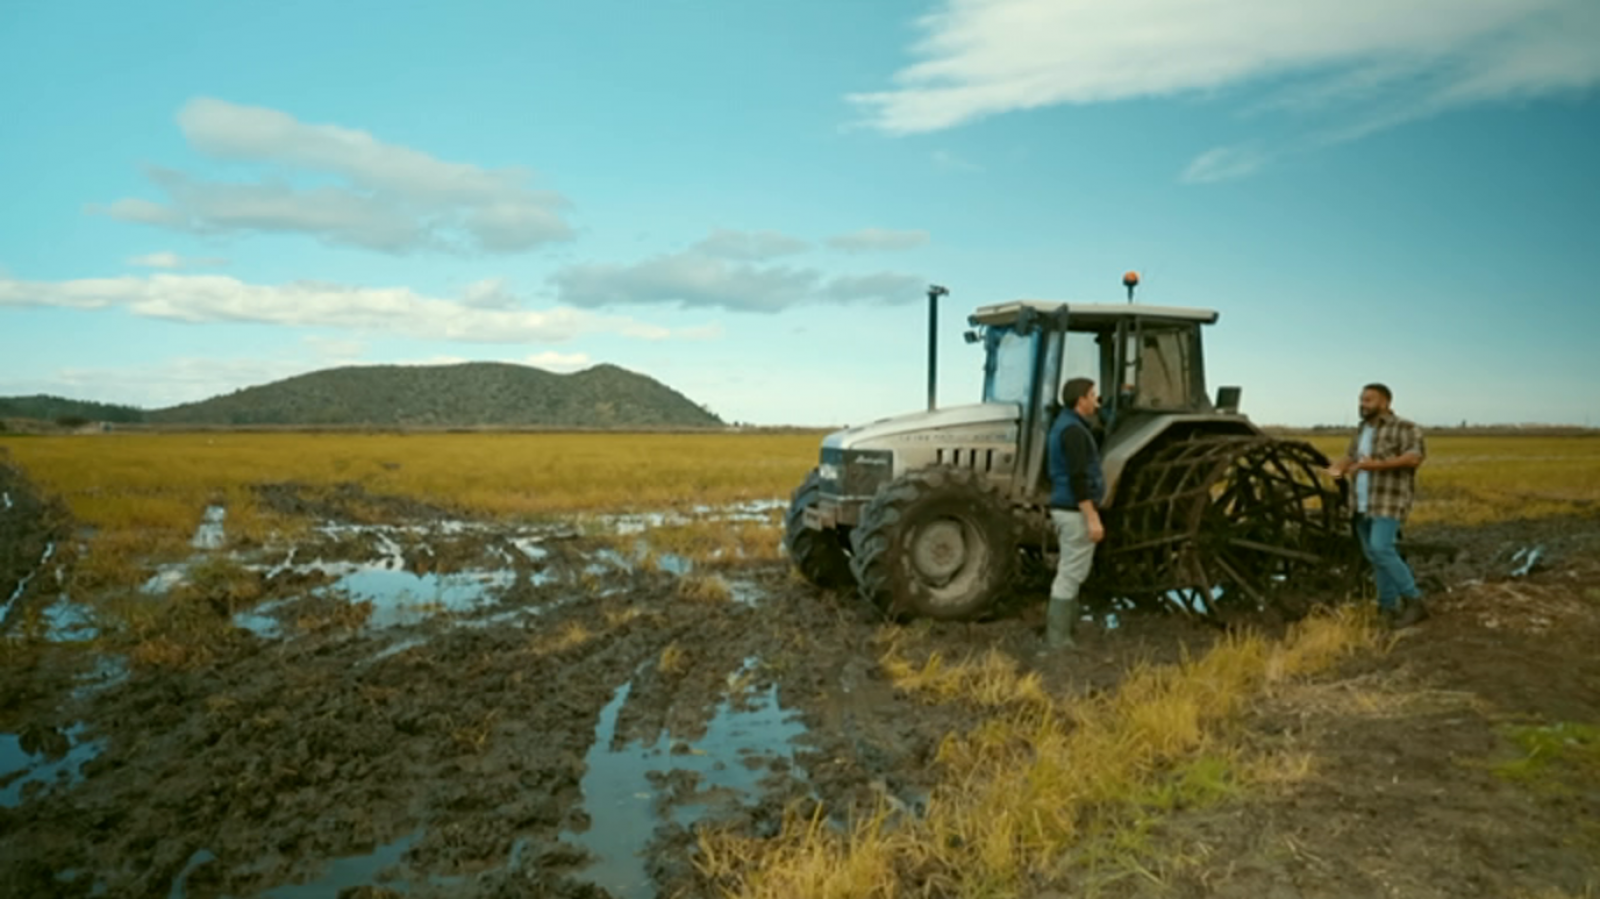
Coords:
pixel 619 797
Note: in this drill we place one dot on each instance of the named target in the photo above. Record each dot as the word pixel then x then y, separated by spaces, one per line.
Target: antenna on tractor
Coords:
pixel 1130 281
pixel 934 293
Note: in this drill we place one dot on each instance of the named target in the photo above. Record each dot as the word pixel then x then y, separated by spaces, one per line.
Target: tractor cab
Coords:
pixel 1146 361
pixel 1143 358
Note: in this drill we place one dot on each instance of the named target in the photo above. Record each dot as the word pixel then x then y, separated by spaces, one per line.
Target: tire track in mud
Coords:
pixel 33 532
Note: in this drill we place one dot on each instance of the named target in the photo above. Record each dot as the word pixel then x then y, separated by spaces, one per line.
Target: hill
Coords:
pixel 464 395
pixel 55 408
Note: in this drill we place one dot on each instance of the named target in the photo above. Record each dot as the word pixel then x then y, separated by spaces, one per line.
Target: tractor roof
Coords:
pixel 1004 313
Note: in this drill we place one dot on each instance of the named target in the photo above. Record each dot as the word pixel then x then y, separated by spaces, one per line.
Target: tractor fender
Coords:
pixel 1149 431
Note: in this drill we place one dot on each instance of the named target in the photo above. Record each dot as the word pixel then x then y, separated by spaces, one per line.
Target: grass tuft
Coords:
pixel 704 588
pixel 1557 758
pixel 673 659
pixel 1041 792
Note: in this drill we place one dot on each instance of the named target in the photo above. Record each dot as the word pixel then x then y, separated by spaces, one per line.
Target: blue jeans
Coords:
pixel 1388 569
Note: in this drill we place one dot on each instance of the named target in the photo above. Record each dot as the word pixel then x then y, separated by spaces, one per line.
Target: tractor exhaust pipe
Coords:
pixel 934 293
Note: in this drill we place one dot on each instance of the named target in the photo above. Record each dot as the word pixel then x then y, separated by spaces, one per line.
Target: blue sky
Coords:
pixel 746 200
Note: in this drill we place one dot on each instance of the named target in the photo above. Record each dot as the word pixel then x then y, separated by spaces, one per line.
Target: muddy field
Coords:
pixel 432 707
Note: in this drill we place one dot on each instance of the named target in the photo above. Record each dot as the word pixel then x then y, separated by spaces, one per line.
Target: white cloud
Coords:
pixel 563 362
pixel 687 278
pixel 490 293
pixel 174 261
pixel 146 212
pixel 398 310
pixel 394 199
pixel 336 215
pixel 749 246
pixel 884 287
pixel 1223 164
pixel 171 381
pixel 691 278
pixel 869 240
pixel 979 58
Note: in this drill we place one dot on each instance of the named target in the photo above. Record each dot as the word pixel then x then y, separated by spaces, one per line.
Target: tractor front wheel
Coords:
pixel 939 542
pixel 818 555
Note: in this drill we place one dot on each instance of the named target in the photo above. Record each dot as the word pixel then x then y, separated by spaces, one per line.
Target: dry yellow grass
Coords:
pixel 144 494
pixel 673 659
pixel 707 588
pixel 572 635
pixel 1475 480
pixel 989 680
pixel 1044 792
pixel 502 475
pixel 717 541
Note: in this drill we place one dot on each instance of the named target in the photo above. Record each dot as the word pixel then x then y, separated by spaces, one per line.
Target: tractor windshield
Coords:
pixel 1008 366
pixel 1146 365
pixel 1165 368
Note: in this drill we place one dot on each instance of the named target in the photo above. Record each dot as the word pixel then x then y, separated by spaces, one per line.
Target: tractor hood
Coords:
pixel 985 423
pixel 857 462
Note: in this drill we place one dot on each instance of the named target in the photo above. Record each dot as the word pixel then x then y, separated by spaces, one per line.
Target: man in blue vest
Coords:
pixel 1077 485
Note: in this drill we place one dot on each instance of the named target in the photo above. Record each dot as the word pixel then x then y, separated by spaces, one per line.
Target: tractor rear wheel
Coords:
pixel 940 542
pixel 1220 525
pixel 818 555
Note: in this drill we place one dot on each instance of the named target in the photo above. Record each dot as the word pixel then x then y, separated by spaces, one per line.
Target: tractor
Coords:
pixel 935 514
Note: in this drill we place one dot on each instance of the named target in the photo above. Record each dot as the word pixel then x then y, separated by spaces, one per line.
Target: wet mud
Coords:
pixel 403 703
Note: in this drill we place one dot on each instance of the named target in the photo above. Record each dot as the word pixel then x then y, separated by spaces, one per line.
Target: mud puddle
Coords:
pixel 426 706
pixel 41 759
pixel 629 790
pixel 26 580
pixel 211 534
pixel 381 866
pixel 757 511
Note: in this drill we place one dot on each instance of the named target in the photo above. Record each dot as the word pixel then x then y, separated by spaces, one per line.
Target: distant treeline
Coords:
pixel 64 411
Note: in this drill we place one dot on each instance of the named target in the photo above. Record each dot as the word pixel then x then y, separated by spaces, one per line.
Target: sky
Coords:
pixel 747 201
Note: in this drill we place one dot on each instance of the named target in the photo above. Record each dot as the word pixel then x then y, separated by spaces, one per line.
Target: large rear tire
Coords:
pixel 1223 525
pixel 819 556
pixel 939 543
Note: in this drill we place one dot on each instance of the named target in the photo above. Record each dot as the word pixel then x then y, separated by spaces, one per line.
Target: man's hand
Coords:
pixel 1091 517
pixel 1349 466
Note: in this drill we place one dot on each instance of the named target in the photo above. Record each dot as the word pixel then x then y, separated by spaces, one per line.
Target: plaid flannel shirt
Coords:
pixel 1391 491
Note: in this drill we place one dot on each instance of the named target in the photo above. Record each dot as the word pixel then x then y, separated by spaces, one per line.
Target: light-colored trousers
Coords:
pixel 1077 553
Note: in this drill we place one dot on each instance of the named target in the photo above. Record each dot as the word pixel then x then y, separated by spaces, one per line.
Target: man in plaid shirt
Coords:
pixel 1384 456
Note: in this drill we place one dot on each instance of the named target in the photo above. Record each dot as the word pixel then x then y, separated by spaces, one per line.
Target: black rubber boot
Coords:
pixel 1412 611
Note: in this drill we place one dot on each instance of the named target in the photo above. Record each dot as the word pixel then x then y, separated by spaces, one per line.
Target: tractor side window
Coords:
pixel 1164 366
pixel 1009 371
pixel 1083 352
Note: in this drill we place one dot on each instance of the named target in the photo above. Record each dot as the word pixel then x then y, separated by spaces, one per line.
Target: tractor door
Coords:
pixel 1071 354
pixel 1015 358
